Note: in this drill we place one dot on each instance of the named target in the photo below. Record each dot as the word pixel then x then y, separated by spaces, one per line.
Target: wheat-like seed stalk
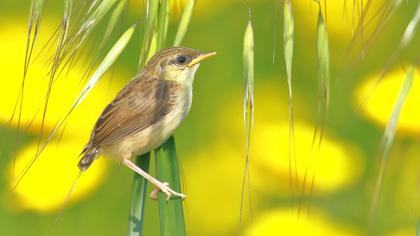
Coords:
pixel 288 35
pixel 248 109
pixel 388 139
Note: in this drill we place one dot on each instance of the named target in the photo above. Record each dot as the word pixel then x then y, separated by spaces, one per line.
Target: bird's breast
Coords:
pixel 153 136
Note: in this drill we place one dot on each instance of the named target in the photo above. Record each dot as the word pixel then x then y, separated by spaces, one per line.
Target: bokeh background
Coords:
pixel 211 141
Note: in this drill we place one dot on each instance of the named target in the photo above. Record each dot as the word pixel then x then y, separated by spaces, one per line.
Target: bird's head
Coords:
pixel 177 63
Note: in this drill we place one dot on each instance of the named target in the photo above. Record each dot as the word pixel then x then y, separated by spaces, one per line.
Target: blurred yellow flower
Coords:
pixel 286 222
pixel 213 186
pixel 50 179
pixel 335 165
pixel 45 185
pixel 378 102
pixel 342 17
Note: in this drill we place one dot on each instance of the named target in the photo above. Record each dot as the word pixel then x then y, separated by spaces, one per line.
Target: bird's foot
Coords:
pixel 164 187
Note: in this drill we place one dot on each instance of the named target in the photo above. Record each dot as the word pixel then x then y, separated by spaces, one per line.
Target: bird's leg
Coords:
pixel 159 186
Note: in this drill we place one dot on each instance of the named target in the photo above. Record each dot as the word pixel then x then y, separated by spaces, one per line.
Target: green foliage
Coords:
pixel 170 212
pixel 138 198
pixel 185 21
pixel 151 19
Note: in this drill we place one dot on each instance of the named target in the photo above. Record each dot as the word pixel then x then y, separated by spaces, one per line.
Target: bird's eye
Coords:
pixel 181 60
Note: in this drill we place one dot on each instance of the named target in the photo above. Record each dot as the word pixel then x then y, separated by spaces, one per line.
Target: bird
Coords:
pixel 146 112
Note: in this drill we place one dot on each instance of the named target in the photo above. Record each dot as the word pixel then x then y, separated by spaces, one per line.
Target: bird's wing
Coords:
pixel 142 103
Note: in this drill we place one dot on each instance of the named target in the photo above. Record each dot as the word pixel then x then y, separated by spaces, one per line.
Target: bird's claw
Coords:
pixel 164 187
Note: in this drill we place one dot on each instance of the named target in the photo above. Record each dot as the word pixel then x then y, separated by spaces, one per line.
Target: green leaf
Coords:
pixel 167 170
pixel 163 24
pixel 185 21
pixel 151 20
pixel 411 28
pixel 107 62
pixel 113 20
pixel 138 197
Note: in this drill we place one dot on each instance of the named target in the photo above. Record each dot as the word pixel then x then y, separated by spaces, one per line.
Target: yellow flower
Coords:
pixel 379 102
pixel 286 222
pixel 50 179
pixel 45 185
pixel 335 165
pixel 213 182
pixel 342 17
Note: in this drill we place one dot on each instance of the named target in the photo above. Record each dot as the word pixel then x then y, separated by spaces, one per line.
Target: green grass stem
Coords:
pixel 167 170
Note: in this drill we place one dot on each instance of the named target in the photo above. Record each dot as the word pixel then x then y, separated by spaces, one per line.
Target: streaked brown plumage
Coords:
pixel 146 111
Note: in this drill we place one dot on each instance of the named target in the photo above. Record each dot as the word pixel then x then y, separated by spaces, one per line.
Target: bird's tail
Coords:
pixel 90 154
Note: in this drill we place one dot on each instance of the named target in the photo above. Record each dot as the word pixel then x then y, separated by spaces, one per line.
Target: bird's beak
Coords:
pixel 201 57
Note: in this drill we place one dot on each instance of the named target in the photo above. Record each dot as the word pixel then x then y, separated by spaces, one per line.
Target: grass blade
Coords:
pixel 384 15
pixel 411 28
pixel 288 56
pixel 31 38
pixel 388 139
pixel 185 21
pixel 138 197
pixel 151 19
pixel 113 20
pixel 167 170
pixel 163 21
pixel 248 109
pixel 107 62
pixel 32 35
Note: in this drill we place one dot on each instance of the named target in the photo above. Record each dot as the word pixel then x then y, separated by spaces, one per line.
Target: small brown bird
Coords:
pixel 146 112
